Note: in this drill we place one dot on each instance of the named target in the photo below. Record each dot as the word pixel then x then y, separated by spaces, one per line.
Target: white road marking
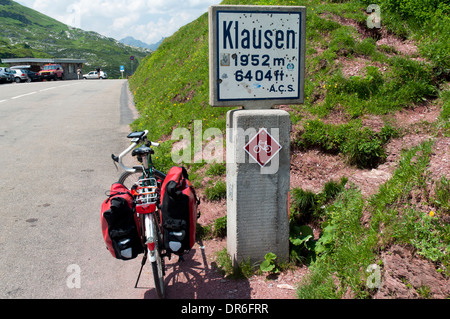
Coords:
pixel 19 96
pixel 47 89
pixel 43 90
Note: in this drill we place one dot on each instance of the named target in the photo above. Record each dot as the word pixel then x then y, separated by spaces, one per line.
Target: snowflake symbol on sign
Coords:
pixel 262 147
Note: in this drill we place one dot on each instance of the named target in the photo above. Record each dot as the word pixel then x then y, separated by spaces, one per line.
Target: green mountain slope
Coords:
pixel 28 33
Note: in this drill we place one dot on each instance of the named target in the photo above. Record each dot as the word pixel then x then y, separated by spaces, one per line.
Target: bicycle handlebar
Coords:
pixel 135 139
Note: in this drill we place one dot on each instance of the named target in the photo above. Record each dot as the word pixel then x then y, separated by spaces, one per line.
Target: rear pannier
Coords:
pixel 118 219
pixel 179 211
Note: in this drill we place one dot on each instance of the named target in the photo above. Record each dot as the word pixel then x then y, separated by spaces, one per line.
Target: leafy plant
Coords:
pixel 302 243
pixel 327 240
pixel 301 236
pixel 424 292
pixel 269 264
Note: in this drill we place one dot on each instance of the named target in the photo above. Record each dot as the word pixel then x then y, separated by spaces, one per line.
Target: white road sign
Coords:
pixel 258 55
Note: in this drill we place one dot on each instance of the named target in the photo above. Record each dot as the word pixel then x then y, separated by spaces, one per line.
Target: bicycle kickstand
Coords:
pixel 144 260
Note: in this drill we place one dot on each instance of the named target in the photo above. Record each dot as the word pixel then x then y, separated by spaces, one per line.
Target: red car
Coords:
pixel 51 72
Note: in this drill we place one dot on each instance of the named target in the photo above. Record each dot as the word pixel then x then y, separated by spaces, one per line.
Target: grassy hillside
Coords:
pixel 353 76
pixel 171 87
pixel 28 33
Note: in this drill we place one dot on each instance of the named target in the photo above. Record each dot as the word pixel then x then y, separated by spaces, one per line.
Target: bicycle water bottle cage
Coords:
pixel 142 151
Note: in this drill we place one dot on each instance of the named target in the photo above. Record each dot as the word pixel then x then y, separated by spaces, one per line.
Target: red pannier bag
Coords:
pixel 179 211
pixel 119 224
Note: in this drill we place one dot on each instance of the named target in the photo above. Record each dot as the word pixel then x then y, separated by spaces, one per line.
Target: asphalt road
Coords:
pixel 56 139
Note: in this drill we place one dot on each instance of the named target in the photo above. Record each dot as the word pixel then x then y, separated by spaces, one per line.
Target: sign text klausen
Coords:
pixel 258 55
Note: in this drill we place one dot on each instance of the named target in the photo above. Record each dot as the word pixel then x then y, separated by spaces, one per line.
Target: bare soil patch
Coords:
pixel 405 274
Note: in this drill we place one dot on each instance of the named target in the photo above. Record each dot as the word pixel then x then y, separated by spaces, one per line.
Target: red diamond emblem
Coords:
pixel 262 147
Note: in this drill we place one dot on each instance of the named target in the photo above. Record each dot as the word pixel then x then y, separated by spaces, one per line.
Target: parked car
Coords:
pixel 94 75
pixel 51 72
pixel 33 76
pixel 6 75
pixel 20 76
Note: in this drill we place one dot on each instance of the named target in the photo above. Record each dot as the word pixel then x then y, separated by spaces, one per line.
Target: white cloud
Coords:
pixel 145 20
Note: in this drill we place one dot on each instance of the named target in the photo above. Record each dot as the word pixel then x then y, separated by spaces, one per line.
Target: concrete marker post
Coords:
pixel 257 60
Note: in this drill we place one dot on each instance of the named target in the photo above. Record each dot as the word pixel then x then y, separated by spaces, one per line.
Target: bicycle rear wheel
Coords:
pixel 158 264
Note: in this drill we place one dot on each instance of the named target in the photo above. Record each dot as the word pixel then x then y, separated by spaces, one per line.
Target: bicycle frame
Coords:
pixel 150 236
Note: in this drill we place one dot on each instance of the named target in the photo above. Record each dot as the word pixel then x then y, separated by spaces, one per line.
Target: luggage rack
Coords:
pixel 146 189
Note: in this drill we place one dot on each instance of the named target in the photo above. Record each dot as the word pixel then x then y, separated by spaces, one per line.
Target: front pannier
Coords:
pixel 179 211
pixel 118 221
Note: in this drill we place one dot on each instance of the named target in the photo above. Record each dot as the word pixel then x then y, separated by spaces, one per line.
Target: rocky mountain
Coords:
pixel 137 43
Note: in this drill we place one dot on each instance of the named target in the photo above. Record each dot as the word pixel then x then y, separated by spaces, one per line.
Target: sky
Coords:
pixel 145 20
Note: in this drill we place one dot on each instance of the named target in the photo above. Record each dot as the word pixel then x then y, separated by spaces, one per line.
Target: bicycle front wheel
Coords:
pixel 129 179
pixel 158 265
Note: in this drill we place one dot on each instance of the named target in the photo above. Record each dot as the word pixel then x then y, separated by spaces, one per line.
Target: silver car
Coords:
pixel 94 75
pixel 20 76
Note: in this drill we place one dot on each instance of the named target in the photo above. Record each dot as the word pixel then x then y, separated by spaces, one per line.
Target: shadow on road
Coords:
pixel 193 278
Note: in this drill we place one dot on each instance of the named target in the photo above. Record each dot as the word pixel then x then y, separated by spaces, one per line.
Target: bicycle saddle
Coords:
pixel 142 151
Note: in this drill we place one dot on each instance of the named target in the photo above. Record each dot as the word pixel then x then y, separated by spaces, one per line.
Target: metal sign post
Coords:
pixel 132 64
pixel 257 61
pixel 122 69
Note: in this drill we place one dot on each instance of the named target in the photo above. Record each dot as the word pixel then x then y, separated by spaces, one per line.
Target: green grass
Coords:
pixel 220 227
pixel 224 264
pixel 361 146
pixel 216 191
pixel 216 169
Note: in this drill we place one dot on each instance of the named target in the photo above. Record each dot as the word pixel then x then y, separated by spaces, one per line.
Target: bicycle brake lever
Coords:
pixel 115 159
